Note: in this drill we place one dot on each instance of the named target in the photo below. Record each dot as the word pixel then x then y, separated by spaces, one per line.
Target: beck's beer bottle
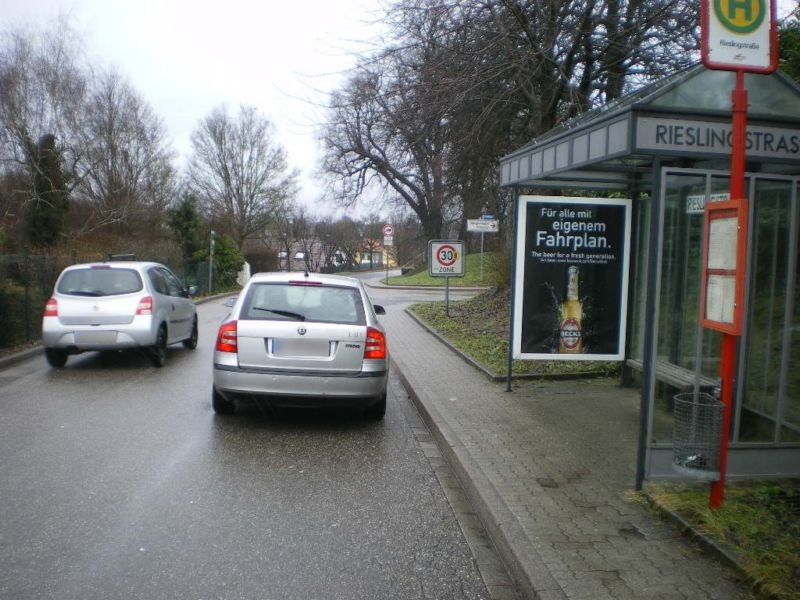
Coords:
pixel 571 317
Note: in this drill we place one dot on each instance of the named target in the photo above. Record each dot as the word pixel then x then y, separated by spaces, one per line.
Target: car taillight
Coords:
pixel 51 308
pixel 376 344
pixel 145 306
pixel 226 337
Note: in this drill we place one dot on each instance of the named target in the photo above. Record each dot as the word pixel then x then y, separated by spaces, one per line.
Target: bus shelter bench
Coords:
pixel 675 376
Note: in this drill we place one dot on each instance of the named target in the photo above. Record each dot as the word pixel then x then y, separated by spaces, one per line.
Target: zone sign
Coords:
pixel 446 258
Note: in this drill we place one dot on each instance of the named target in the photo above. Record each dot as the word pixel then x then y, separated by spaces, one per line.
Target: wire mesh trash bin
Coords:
pixel 697 424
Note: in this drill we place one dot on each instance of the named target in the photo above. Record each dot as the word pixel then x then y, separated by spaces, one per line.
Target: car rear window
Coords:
pixel 99 281
pixel 292 302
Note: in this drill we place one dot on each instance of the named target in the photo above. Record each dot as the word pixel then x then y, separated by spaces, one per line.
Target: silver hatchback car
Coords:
pixel 294 339
pixel 118 305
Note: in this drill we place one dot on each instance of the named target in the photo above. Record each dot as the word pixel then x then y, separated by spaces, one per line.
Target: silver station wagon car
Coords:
pixel 118 305
pixel 294 339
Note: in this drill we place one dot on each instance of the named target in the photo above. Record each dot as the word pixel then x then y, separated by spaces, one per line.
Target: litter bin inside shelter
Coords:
pixel 697 425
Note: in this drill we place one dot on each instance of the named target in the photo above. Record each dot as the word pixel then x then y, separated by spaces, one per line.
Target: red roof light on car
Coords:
pixel 227 337
pixel 375 347
pixel 51 308
pixel 145 306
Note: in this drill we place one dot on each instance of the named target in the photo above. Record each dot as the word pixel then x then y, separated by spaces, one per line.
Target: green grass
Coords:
pixel 472 274
pixel 479 327
pixel 756 521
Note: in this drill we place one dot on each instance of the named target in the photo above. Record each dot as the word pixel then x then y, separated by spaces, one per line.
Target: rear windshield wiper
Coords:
pixel 85 293
pixel 283 313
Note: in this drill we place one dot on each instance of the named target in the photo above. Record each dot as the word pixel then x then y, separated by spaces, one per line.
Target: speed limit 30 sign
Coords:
pixel 446 258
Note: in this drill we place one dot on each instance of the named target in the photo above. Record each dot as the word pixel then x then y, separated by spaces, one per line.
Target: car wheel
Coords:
pixel 191 341
pixel 377 411
pixel 55 358
pixel 220 405
pixel 158 352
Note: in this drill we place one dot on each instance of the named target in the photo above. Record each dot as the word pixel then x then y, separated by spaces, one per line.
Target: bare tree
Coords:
pixel 348 236
pixel 462 83
pixel 42 93
pixel 389 126
pixel 129 179
pixel 305 229
pixel 239 171
pixel 281 234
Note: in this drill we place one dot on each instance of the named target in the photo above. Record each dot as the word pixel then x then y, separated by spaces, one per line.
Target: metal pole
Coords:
pixel 650 323
pixel 511 303
pixel 447 296
pixel 727 358
pixel 481 276
pixel 27 282
pixel 210 260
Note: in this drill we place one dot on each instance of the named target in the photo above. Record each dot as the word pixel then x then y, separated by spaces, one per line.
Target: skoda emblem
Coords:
pixel 301 330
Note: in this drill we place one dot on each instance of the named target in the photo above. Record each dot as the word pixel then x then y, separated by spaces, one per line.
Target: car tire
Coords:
pixel 377 411
pixel 191 341
pixel 158 352
pixel 220 405
pixel 55 358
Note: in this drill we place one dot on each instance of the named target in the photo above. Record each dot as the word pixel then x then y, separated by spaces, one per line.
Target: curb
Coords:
pixel 530 574
pixel 17 357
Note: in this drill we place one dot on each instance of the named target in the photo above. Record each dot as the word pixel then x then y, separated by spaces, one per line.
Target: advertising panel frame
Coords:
pixel 602 258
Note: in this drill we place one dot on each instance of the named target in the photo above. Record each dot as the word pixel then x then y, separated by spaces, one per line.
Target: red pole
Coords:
pixel 727 359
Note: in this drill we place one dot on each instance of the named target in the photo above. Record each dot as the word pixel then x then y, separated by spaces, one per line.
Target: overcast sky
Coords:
pixel 186 57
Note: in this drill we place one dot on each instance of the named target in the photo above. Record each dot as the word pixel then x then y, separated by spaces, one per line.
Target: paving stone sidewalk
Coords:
pixel 549 468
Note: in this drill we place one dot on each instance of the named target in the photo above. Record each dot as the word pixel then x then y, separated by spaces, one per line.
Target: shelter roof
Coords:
pixel 684 117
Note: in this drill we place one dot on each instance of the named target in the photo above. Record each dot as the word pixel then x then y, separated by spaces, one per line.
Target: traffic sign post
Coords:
pixel 740 36
pixel 388 240
pixel 446 259
pixel 486 224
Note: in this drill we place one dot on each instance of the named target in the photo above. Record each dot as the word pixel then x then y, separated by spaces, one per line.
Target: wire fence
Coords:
pixel 27 280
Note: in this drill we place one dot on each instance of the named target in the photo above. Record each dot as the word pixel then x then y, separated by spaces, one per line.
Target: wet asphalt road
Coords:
pixel 118 481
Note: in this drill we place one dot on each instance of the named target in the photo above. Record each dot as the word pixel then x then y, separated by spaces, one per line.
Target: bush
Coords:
pixel 13 309
pixel 499 269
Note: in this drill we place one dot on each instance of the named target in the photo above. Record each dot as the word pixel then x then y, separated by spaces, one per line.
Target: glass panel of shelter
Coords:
pixel 766 335
pixel 770 388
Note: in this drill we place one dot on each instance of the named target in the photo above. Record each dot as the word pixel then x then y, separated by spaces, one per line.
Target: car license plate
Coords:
pixel 95 337
pixel 301 348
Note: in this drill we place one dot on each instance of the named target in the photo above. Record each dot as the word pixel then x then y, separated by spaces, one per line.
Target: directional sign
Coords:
pixel 483 225
pixel 446 258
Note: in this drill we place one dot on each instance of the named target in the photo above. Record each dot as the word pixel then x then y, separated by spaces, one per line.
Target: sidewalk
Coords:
pixel 548 467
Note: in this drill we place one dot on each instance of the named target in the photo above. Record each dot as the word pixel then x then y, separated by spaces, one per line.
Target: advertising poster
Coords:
pixel 571 280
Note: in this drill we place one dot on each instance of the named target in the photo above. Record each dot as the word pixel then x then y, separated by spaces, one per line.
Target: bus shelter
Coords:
pixel 667 146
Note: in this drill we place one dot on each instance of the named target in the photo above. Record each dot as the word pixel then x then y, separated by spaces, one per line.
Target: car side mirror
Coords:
pixel 379 309
pixel 229 302
pixel 191 290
